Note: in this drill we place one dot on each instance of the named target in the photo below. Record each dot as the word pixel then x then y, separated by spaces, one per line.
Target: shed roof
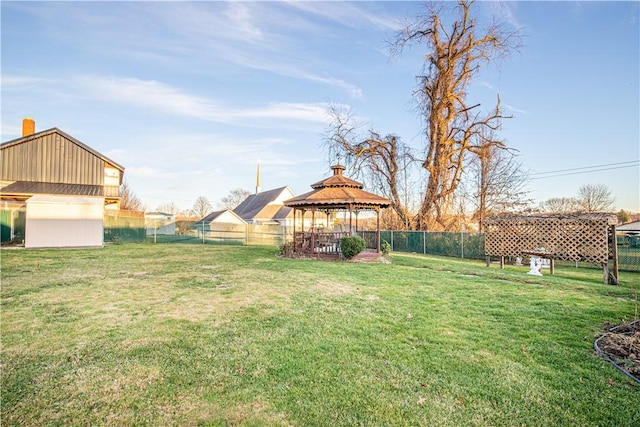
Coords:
pixel 28 188
pixel 629 226
pixel 338 192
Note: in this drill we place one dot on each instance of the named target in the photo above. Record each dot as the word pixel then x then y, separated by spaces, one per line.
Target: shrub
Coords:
pixel 286 249
pixel 351 246
pixel 385 248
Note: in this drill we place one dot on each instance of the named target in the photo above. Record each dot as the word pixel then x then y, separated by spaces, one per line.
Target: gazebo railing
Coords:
pixel 318 242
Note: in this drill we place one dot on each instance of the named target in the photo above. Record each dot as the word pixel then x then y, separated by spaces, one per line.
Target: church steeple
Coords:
pixel 258 189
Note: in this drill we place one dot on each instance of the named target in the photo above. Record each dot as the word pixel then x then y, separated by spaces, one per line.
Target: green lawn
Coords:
pixel 143 334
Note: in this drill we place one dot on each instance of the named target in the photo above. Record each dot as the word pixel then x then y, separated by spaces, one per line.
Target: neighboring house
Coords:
pixel 221 223
pixel 221 217
pixel 54 189
pixel 630 228
pixel 267 207
pixel 158 223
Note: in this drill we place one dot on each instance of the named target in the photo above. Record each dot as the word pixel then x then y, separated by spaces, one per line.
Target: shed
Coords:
pixel 60 172
pixel 64 222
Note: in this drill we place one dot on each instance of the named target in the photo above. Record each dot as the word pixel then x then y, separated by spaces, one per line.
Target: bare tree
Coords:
pixel 595 198
pixel 382 161
pixel 453 58
pixel 560 205
pixel 170 208
pixel 128 199
pixel 201 207
pixel 234 198
pixel 497 181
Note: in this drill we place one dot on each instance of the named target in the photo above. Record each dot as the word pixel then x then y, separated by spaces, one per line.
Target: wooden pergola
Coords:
pixel 578 236
pixel 334 194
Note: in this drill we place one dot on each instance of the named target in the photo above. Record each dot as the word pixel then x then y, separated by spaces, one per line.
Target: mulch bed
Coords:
pixel 621 346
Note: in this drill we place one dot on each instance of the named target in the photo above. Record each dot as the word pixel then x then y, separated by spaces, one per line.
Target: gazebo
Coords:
pixel 330 196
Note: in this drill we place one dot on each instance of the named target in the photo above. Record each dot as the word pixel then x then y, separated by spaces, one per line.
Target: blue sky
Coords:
pixel 188 96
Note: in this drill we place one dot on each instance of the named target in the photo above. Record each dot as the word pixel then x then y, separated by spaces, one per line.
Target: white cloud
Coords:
pixel 487 85
pixel 241 19
pixel 514 109
pixel 214 33
pixel 255 35
pixel 505 11
pixel 144 171
pixel 21 82
pixel 348 14
pixel 165 98
pixel 146 93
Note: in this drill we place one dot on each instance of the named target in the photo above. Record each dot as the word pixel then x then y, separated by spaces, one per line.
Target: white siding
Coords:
pixel 64 221
pixel 229 217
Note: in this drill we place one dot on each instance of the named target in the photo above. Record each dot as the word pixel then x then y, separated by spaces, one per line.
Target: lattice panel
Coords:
pixel 578 237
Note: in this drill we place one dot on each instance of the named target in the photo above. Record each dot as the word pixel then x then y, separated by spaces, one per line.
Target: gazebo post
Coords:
pixel 294 229
pixel 313 223
pixel 378 229
pixel 303 211
pixel 350 220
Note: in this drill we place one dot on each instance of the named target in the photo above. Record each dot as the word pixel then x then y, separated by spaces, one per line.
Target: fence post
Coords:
pixel 461 244
pixel 392 246
pixel 424 242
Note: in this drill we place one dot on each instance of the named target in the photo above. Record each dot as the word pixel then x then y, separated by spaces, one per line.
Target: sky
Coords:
pixel 190 96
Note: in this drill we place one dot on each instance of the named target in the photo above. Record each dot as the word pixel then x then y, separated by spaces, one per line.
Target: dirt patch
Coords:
pixel 621 345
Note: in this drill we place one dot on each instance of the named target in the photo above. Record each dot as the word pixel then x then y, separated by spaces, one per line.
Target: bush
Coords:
pixel 351 246
pixel 385 248
pixel 286 249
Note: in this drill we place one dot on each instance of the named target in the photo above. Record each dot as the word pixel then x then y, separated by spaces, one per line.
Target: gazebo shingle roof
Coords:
pixel 337 192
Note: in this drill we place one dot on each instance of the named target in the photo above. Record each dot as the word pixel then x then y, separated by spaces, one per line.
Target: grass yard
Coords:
pixel 143 334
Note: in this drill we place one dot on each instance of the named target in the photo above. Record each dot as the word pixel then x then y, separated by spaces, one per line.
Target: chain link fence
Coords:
pixel 629 253
pixel 126 227
pixel 460 245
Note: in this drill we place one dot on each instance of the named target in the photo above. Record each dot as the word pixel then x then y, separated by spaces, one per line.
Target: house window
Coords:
pixel 111 176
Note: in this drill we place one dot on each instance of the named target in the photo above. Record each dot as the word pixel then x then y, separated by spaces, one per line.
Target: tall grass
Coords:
pixel 141 334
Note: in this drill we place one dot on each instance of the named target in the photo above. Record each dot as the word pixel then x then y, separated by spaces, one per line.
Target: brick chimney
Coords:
pixel 28 127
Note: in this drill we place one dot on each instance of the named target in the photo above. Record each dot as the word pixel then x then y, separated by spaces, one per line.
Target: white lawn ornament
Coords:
pixel 518 260
pixel 534 266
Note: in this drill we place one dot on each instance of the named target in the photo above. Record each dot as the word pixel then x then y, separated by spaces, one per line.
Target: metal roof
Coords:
pixel 28 188
pixel 65 135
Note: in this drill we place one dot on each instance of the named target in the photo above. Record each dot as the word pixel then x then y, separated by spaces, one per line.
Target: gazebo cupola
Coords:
pixel 333 194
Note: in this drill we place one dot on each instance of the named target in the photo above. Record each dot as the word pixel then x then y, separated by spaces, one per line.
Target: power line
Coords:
pixel 630 163
pixel 582 172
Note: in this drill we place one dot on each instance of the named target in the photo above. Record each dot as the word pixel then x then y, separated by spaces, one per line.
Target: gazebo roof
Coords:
pixel 338 192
